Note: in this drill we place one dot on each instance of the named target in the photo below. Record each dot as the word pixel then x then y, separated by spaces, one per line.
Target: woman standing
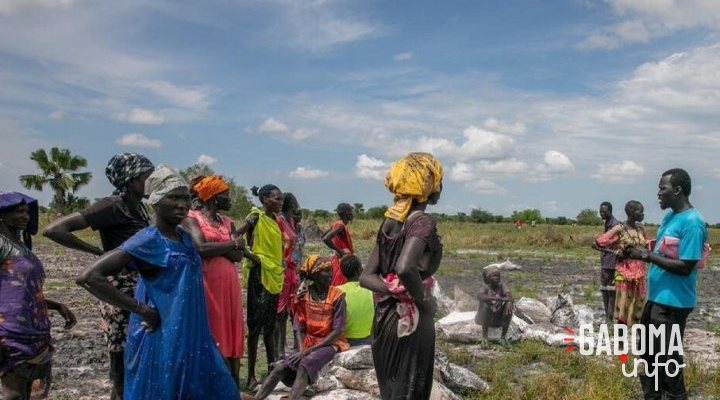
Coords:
pixel 263 272
pixel 320 322
pixel 630 274
pixel 220 248
pixel 400 268
pixel 170 352
pixel 286 221
pixel 117 218
pixel 339 240
pixel 25 349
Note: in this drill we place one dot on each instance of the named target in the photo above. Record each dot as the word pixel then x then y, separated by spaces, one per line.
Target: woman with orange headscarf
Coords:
pixel 400 268
pixel 220 248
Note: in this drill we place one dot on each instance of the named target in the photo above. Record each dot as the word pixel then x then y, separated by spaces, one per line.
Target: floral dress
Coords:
pixel 630 274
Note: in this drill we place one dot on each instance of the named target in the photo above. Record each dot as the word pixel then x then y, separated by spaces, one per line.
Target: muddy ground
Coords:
pixel 80 364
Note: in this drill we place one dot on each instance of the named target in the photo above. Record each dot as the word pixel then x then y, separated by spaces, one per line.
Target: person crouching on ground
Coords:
pixel 319 322
pixel 496 304
pixel 359 303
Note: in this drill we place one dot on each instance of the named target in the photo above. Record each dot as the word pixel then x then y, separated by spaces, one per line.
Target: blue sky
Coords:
pixel 556 105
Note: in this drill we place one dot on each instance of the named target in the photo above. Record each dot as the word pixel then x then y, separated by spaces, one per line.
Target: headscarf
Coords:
pixel 12 199
pixel 314 263
pixel 209 186
pixel 413 177
pixel 163 180
pixel 125 167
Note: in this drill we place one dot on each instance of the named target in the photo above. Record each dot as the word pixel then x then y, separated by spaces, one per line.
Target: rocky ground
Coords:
pixel 80 365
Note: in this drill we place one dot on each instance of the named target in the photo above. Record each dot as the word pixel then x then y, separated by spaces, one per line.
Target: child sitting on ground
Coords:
pixel 359 303
pixel 496 306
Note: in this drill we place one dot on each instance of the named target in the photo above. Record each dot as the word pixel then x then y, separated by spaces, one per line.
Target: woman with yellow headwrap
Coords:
pixel 319 322
pixel 400 268
pixel 220 247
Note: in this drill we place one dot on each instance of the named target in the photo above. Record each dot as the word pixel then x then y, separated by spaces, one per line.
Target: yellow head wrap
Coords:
pixel 314 264
pixel 209 186
pixel 413 177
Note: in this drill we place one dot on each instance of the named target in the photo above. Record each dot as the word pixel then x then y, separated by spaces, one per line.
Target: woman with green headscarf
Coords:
pixel 400 268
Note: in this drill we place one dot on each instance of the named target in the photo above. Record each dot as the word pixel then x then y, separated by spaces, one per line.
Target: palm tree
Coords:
pixel 58 173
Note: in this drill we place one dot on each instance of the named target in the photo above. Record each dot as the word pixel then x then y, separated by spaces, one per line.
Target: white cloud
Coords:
pixel 506 168
pixel 197 98
pixel 404 56
pixel 495 125
pixel 204 159
pixel 554 164
pixel 307 172
pixel 680 82
pixel 140 116
pixel 11 6
pixel 137 140
pixel 461 172
pixel 557 162
pixel 57 114
pixel 272 125
pixel 481 143
pixel 623 172
pixel 367 167
pixel 319 26
pixel 642 20
pixel 302 134
pixel 485 187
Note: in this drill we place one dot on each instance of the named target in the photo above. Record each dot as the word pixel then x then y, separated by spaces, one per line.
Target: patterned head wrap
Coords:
pixel 163 180
pixel 11 199
pixel 415 176
pixel 207 187
pixel 124 167
pixel 314 264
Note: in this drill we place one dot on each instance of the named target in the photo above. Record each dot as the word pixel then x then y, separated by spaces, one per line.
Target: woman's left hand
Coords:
pixel 68 316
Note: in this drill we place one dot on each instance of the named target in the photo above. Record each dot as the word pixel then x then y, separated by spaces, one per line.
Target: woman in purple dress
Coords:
pixel 25 349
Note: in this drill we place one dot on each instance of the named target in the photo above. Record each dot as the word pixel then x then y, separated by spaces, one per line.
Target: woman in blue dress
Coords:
pixel 170 352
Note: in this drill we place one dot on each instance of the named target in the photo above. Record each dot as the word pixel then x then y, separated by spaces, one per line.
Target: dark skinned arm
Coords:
pixel 246 229
pixel 408 272
pixel 679 267
pixel 239 254
pixel 94 279
pixel 65 312
pixel 484 297
pixel 61 232
pixel 205 248
pixel 327 239
pixel 370 278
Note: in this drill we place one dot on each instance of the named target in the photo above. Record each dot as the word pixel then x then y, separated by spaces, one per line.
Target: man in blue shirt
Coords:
pixel 672 278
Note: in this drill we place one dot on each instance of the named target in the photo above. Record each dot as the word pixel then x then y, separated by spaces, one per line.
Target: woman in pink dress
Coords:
pixel 220 247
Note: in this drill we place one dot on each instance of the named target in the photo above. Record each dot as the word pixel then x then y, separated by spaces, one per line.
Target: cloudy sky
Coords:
pixel 556 105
